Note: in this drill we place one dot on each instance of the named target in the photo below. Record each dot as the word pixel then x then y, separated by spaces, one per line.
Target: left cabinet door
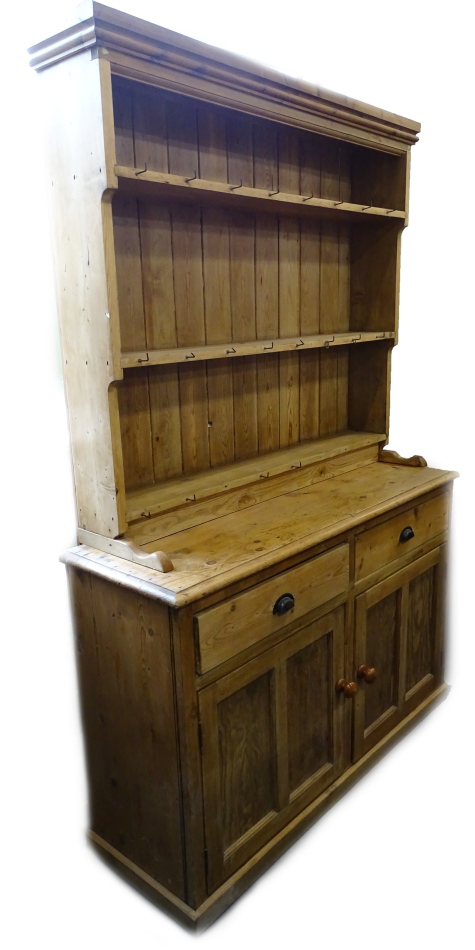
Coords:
pixel 271 741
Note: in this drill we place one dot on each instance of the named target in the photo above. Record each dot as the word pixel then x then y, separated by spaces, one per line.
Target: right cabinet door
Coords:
pixel 398 647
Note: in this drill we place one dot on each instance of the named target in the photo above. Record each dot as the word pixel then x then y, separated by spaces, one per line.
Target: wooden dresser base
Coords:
pixel 227 894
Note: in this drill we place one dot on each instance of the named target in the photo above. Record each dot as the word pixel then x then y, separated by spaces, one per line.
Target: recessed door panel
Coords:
pixel 271 741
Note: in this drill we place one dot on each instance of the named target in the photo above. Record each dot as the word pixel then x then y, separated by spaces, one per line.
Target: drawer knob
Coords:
pixel 367 673
pixel 347 687
pixel 406 534
pixel 283 604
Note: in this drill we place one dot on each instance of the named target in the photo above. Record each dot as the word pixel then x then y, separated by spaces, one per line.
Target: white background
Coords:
pixel 392 863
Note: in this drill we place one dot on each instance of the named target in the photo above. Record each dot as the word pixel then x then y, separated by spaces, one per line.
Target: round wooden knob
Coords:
pixel 368 673
pixel 347 687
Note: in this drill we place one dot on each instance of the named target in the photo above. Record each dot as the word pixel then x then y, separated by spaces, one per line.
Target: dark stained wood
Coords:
pixel 123 124
pixel 260 764
pixel 248 757
pixel 421 624
pixel 382 652
pixel 309 691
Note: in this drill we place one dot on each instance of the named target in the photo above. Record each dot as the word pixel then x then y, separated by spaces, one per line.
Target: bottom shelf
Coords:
pixel 187 490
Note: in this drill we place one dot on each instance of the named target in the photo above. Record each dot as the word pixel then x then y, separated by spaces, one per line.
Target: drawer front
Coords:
pixel 381 545
pixel 227 629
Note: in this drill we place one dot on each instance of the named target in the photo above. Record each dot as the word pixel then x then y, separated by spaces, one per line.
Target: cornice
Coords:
pixel 111 32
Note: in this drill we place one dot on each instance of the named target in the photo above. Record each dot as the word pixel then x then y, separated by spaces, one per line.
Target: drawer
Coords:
pixel 381 545
pixel 237 623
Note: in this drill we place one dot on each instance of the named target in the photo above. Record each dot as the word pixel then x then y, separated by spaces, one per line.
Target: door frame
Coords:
pixel 221 862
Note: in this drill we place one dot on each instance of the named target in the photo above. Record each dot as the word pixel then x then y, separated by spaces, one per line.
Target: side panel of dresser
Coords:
pixel 80 159
pixel 125 667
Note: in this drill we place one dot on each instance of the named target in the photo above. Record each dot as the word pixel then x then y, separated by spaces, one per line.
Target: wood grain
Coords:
pixel 125 666
pixel 229 628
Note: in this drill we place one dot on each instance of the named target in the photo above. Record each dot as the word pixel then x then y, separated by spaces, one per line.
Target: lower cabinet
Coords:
pixel 272 740
pixel 398 647
pixel 203 764
pixel 272 731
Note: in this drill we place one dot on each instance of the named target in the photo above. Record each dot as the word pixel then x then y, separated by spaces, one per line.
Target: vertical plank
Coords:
pixel 245 407
pixel 192 775
pixel 123 123
pixel 375 259
pixel 157 270
pixel 329 277
pixel 182 136
pixel 265 156
pixel 150 130
pixel 188 276
pixel 129 274
pixel 282 724
pixel 289 367
pixel 329 315
pixel 368 386
pixel 342 389
pixel 243 296
pixel 289 166
pixel 194 416
pixel 343 323
pixel 328 391
pixel 221 412
pixel 330 159
pixel 165 422
pixel 309 156
pixel 239 145
pixel 289 325
pixel 216 274
pixel 289 277
pixel 345 172
pixel 134 412
pixel 268 402
pixel 213 164
pixel 309 277
pixel 309 425
pixel 267 277
pixel 343 315
pixel 131 738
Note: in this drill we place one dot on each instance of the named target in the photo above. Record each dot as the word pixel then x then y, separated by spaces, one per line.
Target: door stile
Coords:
pixel 281 734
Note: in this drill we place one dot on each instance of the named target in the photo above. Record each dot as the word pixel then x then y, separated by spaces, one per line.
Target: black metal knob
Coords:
pixel 283 604
pixel 406 534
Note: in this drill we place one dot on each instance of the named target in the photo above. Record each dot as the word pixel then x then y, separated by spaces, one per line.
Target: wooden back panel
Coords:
pixel 178 419
pixel 190 276
pixel 172 133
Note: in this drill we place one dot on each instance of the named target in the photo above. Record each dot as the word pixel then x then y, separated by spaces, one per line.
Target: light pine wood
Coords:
pixel 86 280
pixel 230 350
pixel 387 455
pixel 198 512
pixel 144 503
pixel 156 561
pixel 233 625
pixel 258 588
pixel 206 561
pixel 384 543
pixel 138 181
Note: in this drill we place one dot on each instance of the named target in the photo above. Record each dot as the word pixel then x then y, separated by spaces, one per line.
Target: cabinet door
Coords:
pixel 399 635
pixel 271 741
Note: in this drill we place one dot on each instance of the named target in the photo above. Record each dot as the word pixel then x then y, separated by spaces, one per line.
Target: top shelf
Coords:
pixel 140 182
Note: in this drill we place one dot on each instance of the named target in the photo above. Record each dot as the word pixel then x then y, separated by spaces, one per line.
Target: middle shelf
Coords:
pixel 142 182
pixel 249 348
